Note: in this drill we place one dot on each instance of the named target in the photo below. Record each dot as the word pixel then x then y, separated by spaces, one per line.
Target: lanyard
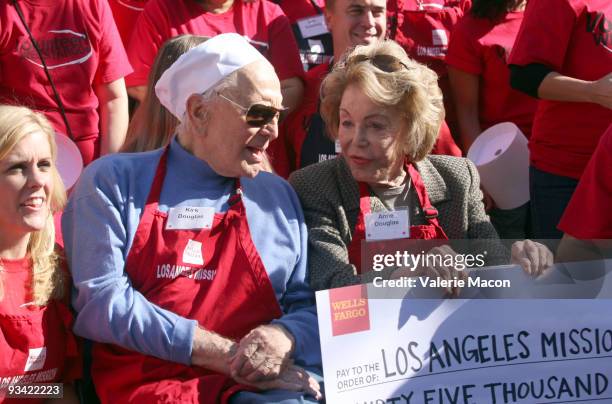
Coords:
pixel 60 104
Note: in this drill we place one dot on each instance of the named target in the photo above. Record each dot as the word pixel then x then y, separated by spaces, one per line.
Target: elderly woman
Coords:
pixel 36 344
pixel 385 109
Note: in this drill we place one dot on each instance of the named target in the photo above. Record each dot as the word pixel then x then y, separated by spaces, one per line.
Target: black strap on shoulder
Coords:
pixel 60 104
pixel 316 6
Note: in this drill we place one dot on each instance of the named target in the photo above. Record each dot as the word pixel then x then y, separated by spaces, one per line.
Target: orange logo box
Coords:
pixel 349 310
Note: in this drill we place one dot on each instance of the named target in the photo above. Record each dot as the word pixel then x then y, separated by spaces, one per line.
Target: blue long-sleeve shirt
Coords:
pixel 101 219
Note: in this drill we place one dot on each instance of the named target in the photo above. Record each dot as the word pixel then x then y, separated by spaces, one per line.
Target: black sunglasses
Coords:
pixel 257 115
pixel 386 63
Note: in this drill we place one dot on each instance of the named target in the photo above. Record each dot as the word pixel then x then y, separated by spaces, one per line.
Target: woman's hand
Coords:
pixel 534 257
pixel 262 354
pixel 436 271
pixel 292 378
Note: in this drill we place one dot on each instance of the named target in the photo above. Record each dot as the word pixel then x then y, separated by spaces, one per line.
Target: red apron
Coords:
pixel 429 231
pixel 230 294
pixel 36 345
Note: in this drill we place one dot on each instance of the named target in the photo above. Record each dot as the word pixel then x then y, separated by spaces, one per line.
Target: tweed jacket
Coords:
pixel 330 198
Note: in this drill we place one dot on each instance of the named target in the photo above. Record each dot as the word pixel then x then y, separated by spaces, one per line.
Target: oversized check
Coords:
pixel 464 351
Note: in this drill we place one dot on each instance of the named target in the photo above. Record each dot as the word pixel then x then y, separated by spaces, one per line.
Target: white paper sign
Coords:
pixel 312 26
pixel 464 351
pixel 190 218
pixel 389 225
pixel 36 359
pixel 193 253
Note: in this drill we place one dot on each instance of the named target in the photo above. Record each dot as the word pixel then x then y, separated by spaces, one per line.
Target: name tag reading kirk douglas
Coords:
pixel 190 218
pixel 389 225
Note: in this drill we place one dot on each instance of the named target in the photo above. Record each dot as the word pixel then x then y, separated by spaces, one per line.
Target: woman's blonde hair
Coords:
pixel 48 278
pixel 411 90
pixel 153 125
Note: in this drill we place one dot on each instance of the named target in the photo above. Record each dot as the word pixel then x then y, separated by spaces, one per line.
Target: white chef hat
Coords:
pixel 201 68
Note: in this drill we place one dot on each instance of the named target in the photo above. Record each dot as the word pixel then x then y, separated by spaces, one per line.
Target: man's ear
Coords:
pixel 197 109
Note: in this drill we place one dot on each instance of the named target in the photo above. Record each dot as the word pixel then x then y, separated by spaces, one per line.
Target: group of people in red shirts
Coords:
pixel 544 65
pixel 497 61
pixel 68 60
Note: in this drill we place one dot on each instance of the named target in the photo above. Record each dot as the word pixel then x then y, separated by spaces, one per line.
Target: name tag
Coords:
pixel 193 253
pixel 387 225
pixel 36 359
pixel 312 26
pixel 190 218
pixel 431 6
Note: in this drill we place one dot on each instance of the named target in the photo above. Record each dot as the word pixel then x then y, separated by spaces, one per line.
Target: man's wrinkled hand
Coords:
pixel 292 378
pixel 262 354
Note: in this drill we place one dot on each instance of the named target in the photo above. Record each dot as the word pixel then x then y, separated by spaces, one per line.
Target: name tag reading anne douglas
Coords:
pixel 190 218
pixel 388 225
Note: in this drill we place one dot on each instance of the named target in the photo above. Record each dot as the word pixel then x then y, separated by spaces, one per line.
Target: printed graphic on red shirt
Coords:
pixel 349 310
pixel 59 48
pixel 423 28
pixel 173 271
pixel 34 377
pixel 601 28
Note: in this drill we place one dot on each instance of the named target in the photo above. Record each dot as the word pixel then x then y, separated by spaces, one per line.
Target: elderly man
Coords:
pixel 188 263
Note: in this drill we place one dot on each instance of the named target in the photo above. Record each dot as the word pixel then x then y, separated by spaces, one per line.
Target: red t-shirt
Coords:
pixel 480 46
pixel 126 13
pixel 588 214
pixel 81 47
pixel 423 28
pixel 572 37
pixel 262 22
pixel 36 343
pixel 298 9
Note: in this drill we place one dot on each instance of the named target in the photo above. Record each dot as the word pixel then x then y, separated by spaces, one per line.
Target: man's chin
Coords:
pixel 366 40
pixel 250 170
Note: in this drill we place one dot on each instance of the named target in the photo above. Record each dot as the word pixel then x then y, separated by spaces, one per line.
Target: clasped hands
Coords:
pixel 262 359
